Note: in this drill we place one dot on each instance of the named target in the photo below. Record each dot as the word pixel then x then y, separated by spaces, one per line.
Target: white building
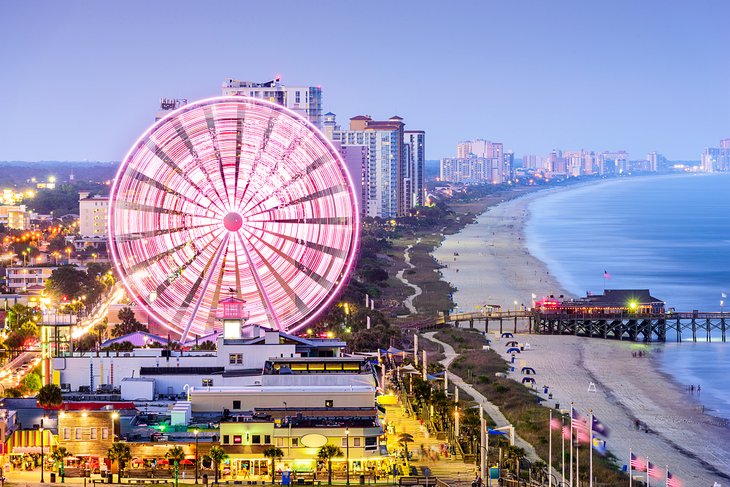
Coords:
pixel 20 279
pixel 415 145
pixel 93 220
pixel 473 170
pixel 15 216
pixel 716 159
pixel 305 100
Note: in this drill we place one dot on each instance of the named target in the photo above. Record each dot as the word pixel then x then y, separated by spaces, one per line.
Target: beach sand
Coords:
pixel 494 267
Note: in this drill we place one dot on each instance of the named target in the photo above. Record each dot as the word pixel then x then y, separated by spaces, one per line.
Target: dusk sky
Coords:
pixel 82 80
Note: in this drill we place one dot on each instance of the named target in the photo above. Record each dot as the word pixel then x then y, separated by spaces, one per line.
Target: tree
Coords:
pixel 217 455
pixel 273 452
pixel 20 316
pixel 177 455
pixel 66 282
pixel 327 453
pixel 58 454
pixel 129 323
pixel 50 396
pixel 32 382
pixel 121 453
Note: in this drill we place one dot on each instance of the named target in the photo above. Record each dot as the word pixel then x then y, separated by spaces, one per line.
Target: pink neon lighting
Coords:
pixel 233 193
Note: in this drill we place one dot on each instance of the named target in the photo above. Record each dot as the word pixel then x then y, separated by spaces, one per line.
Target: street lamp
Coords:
pixel 196 431
pixel 347 454
pixel 42 459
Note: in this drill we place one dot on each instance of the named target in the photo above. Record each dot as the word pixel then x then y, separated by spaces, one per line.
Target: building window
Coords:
pixel 356 441
pixel 267 439
pixel 236 404
pixel 207 382
pixel 329 403
pixel 256 439
pixel 93 433
pixel 280 442
pixel 78 434
pixel 226 439
pixel 67 433
pixel 343 442
pixel 295 442
pixel 237 439
pixel 235 359
pixel 105 433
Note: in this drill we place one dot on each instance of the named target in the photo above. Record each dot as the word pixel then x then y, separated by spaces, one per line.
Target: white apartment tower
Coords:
pixel 93 211
pixel 305 100
pixel 415 145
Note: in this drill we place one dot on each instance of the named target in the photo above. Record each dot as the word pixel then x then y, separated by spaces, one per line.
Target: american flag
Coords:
pixel 566 432
pixel 653 471
pixel 577 420
pixel 606 275
pixel 672 481
pixel 637 463
pixel 555 423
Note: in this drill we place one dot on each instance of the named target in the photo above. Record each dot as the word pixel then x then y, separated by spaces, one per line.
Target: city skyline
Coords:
pixel 644 77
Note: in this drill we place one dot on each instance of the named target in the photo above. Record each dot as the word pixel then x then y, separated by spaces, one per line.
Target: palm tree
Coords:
pixel 273 452
pixel 119 452
pixel 58 454
pixel 50 396
pixel 176 454
pixel 327 453
pixel 514 455
pixel 217 455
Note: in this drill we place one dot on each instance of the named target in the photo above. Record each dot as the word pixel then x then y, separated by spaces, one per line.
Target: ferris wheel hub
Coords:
pixel 233 221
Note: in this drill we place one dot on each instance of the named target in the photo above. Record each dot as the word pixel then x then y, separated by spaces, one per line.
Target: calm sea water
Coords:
pixel 669 234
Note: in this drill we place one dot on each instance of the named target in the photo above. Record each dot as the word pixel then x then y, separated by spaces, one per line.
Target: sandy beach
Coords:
pixel 488 264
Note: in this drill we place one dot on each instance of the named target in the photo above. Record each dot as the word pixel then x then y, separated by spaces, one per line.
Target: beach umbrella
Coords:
pixel 163 461
pixel 513 350
pixel 507 335
pixel 511 343
pixel 186 462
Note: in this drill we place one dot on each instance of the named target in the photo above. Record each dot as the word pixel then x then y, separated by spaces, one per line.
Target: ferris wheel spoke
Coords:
pixel 270 312
pixel 213 134
pixel 207 275
pixel 130 237
pixel 161 155
pixel 252 177
pixel 333 251
pixel 288 291
pixel 327 192
pixel 240 117
pixel 185 137
pixel 130 205
pixel 266 179
pixel 143 178
pixel 309 169
pixel 304 269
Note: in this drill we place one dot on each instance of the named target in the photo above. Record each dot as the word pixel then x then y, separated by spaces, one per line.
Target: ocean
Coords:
pixel 669 234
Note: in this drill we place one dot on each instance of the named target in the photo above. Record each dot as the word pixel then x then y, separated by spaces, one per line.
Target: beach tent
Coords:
pixel 513 350
pixel 495 432
pixel 528 371
pixel 511 343
pixel 395 351
pixel 489 342
pixel 408 368
pixel 507 335
pixel 526 380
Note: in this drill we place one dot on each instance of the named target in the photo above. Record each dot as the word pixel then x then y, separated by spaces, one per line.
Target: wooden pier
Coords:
pixel 643 327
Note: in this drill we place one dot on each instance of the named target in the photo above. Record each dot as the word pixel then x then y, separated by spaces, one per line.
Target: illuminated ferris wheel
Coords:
pixel 233 195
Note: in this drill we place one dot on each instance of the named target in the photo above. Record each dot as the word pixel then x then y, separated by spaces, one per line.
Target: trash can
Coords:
pixel 53 477
pixel 109 477
pixel 205 478
pixel 362 480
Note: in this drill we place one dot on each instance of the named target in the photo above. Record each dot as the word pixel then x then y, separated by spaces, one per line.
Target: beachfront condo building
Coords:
pixel 472 170
pixel 393 171
pixel 304 100
pixel 716 159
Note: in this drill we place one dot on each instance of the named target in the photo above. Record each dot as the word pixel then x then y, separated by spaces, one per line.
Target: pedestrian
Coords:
pixel 698 389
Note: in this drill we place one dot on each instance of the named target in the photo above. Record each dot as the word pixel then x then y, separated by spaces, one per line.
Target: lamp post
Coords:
pixel 347 454
pixel 196 431
pixel 42 459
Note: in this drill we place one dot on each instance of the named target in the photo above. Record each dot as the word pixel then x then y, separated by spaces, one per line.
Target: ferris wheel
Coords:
pixel 233 195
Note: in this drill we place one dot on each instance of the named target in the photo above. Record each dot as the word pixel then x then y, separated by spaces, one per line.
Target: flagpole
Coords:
pixel 484 435
pixel 631 457
pixel 666 477
pixel 577 464
pixel 647 471
pixel 590 447
pixel 571 445
pixel 562 456
pixel 550 443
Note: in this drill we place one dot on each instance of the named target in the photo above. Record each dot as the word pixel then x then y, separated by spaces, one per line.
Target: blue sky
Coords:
pixel 82 80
